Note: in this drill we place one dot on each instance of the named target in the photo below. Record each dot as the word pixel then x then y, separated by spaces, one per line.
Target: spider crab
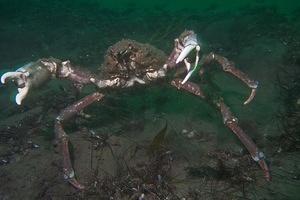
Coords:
pixel 126 64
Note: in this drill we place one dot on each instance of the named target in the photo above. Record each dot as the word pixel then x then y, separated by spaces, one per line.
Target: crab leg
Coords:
pixel 188 86
pixel 63 139
pixel 80 78
pixel 230 121
pixel 229 67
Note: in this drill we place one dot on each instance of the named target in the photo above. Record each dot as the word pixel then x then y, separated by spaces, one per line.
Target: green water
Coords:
pixel 261 37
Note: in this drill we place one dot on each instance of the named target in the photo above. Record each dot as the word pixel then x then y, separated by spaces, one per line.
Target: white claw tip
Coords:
pixel 21 95
pixel 18 99
pixel 3 78
pixel 10 75
pixel 184 53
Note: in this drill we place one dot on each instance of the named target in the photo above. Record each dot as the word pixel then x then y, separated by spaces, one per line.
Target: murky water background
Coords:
pixel 261 37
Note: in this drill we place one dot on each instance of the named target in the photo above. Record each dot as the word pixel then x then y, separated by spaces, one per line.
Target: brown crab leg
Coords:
pixel 81 77
pixel 188 86
pixel 78 77
pixel 229 67
pixel 63 138
pixel 231 122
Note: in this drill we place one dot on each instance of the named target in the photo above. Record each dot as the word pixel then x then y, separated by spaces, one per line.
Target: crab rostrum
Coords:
pixel 126 64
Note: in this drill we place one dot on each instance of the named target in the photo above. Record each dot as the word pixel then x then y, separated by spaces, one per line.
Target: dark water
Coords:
pixel 261 37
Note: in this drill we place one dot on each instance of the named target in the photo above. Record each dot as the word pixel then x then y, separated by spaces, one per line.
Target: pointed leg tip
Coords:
pixel 76 184
pixel 251 97
pixel 246 102
pixel 267 175
pixel 264 166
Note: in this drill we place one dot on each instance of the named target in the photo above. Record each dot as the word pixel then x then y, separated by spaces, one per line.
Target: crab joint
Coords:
pixel 68 174
pixel 258 156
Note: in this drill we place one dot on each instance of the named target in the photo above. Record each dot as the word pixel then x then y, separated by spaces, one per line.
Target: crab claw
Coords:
pixel 20 77
pixel 188 66
pixel 30 75
pixel 11 75
pixel 22 94
pixel 189 43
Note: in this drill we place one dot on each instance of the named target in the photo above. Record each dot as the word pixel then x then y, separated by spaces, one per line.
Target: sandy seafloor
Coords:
pixel 261 37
